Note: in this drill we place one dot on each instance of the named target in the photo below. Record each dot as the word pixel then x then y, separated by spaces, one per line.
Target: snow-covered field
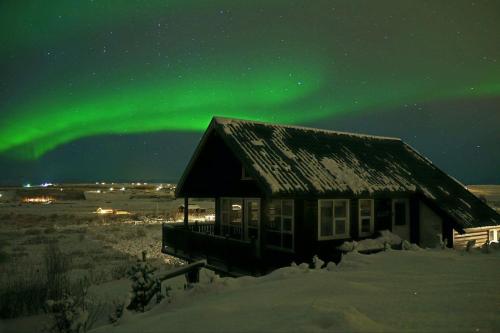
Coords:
pixel 414 291
pixel 97 248
pixel 491 193
pixel 392 291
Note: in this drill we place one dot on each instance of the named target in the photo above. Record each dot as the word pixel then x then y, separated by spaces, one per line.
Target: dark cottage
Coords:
pixel 285 193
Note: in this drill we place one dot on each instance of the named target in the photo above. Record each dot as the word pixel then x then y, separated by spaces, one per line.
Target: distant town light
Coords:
pixel 122 189
pixel 27 185
pixel 108 211
pixel 104 211
pixel 43 200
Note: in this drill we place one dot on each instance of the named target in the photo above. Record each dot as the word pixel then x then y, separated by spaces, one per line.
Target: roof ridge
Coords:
pixel 222 120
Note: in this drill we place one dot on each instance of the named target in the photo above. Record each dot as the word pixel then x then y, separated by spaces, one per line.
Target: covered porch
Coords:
pixel 247 235
pixel 230 243
pixel 223 254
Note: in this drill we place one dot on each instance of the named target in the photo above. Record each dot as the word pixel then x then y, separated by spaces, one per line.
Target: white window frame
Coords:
pixel 372 217
pixel 496 234
pixel 282 231
pixel 334 220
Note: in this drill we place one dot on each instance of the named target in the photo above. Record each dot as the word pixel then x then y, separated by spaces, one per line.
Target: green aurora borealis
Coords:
pixel 72 70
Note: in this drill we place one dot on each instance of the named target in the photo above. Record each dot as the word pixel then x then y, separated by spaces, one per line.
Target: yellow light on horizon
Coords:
pixel 104 211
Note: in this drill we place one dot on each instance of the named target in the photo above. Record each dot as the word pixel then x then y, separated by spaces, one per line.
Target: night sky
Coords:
pixel 122 90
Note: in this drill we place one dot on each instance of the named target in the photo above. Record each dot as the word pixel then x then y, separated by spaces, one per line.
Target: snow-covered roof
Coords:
pixel 293 161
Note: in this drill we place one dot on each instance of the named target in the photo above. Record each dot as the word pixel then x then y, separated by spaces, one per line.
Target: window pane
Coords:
pixel 274 207
pixel 326 218
pixel 253 219
pixel 254 205
pixel 236 211
pixel 274 215
pixel 287 207
pixel 365 204
pixel 365 225
pixel 399 213
pixel 340 227
pixel 253 213
pixel 340 208
pixel 365 207
pixel 287 224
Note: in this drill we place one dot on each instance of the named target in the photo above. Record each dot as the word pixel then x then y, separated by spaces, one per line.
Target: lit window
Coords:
pixel 231 217
pixel 365 218
pixel 333 219
pixel 280 224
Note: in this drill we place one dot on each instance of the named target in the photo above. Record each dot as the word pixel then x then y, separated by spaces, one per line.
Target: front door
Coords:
pixel 401 218
pixel 252 220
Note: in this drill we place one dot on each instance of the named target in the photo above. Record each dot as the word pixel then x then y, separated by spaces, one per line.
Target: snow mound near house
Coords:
pixel 390 291
pixel 384 241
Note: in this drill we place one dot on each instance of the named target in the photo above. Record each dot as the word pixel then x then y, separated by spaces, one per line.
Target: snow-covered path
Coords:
pixel 394 291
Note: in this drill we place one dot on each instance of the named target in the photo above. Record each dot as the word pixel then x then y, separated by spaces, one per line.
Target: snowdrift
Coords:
pixel 391 291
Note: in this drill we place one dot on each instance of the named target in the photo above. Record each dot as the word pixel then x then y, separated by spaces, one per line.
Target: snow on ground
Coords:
pixel 386 239
pixel 392 291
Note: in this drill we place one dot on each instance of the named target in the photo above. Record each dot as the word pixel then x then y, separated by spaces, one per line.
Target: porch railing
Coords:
pixel 231 231
pixel 193 243
pixel 207 228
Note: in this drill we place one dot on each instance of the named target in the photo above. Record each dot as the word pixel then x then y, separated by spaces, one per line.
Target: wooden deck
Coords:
pixel 199 241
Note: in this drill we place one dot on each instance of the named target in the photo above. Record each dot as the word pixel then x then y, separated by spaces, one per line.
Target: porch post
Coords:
pixel 186 211
pixel 217 222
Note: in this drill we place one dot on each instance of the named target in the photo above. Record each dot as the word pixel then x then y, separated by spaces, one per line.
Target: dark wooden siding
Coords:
pixel 353 218
pixel 217 173
pixel 383 214
pixel 414 220
pixel 300 227
pixel 310 228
